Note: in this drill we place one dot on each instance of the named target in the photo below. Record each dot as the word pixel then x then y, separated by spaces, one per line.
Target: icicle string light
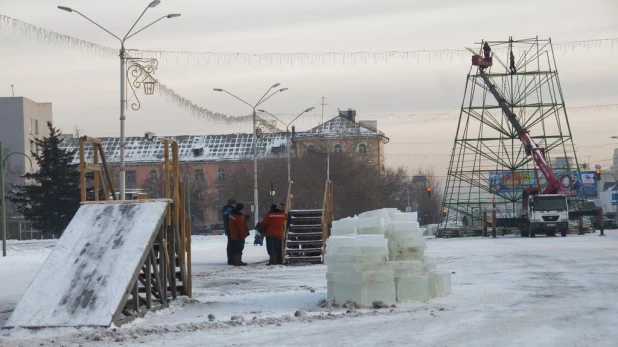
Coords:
pixel 203 113
pixel 45 36
pixel 49 37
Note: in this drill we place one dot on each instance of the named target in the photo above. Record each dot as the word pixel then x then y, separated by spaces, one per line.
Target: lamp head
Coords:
pixel 276 85
pixel 217 89
pixel 283 89
pixel 154 3
pixel 64 8
pixel 262 111
pixel 310 109
pixel 173 15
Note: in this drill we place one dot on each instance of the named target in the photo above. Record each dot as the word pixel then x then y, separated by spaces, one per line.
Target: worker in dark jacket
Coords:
pixel 227 209
pixel 487 52
pixel 274 222
pixel 238 233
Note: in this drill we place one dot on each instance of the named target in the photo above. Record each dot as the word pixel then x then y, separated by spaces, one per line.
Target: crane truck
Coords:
pixel 544 211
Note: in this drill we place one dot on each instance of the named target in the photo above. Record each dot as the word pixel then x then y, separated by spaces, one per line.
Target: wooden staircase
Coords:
pixel 304 237
pixel 307 231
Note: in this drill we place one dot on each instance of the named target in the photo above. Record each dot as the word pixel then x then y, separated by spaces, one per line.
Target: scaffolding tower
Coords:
pixel 489 166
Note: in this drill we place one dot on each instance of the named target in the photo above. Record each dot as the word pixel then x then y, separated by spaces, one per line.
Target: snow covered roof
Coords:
pixel 341 126
pixel 194 148
pixel 204 148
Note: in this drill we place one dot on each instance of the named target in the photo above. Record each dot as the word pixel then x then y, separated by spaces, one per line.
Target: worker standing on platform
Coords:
pixel 487 52
pixel 274 222
pixel 512 65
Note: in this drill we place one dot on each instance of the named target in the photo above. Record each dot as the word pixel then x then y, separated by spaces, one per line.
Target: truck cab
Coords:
pixel 547 214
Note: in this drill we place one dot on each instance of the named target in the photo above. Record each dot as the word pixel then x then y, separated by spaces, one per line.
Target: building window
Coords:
pixel 32 147
pixel 221 174
pixel 154 175
pixel 362 148
pixel 31 126
pixel 199 174
pixel 131 181
pixel 36 126
pixel 338 148
pixel 242 172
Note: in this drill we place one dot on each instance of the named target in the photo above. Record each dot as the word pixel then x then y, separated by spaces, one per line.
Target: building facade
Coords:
pixel 22 121
pixel 213 159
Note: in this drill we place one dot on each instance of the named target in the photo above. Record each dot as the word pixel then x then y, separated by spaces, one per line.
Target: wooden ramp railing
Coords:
pixel 101 175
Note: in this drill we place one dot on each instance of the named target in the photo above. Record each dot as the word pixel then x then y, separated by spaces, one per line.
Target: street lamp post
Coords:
pixel 272 193
pixel 287 136
pixel 2 193
pixel 147 81
pixel 254 115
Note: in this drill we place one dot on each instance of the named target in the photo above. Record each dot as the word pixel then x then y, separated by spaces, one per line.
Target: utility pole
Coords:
pixel 323 103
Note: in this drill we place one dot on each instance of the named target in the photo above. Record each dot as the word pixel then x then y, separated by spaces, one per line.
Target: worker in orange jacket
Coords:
pixel 238 233
pixel 274 222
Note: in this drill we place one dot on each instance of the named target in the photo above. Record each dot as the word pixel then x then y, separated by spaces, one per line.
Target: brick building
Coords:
pixel 213 158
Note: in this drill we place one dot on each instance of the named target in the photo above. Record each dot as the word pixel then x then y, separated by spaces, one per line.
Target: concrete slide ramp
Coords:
pixel 87 278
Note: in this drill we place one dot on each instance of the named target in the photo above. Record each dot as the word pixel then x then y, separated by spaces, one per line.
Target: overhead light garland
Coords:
pixel 49 37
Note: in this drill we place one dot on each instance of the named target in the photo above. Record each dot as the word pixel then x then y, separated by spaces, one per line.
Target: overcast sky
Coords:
pixel 84 88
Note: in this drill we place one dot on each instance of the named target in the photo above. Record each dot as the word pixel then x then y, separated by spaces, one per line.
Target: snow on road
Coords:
pixel 509 291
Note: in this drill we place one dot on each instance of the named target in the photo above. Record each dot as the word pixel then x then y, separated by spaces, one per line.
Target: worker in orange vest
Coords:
pixel 274 222
pixel 238 233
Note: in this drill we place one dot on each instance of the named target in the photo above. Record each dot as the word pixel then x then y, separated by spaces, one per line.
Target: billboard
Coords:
pixel 511 182
pixel 588 184
pixel 571 183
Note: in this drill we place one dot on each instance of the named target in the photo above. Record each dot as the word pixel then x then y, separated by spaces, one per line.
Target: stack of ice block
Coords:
pixel 346 226
pixel 379 255
pixel 357 270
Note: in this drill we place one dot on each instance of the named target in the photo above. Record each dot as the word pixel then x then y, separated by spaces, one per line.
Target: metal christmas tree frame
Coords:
pixel 488 164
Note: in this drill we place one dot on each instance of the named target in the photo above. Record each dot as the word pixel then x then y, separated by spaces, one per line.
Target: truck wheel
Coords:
pixel 532 233
pixel 524 233
pixel 563 233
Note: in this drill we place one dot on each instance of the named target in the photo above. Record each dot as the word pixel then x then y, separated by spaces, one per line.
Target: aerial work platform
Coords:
pixel 115 261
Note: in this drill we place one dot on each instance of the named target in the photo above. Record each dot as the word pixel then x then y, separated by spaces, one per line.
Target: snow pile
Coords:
pixel 379 256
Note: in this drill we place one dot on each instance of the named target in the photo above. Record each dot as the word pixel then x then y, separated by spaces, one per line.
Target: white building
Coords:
pixel 21 122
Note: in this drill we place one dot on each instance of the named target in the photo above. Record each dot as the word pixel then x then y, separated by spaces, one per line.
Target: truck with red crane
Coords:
pixel 544 211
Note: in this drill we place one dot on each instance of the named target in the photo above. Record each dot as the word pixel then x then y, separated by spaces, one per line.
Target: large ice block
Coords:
pixel 372 288
pixel 370 240
pixel 406 268
pixel 370 222
pixel 363 276
pixel 443 283
pixel 345 223
pixel 353 267
pixel 361 259
pixel 342 231
pixel 406 249
pixel 412 288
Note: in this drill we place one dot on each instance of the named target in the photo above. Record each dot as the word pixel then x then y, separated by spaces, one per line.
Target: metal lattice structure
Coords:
pixel 488 162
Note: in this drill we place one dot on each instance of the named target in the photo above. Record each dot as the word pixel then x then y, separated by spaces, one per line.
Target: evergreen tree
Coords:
pixel 51 196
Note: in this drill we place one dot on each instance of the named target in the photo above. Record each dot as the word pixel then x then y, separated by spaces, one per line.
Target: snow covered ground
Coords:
pixel 509 291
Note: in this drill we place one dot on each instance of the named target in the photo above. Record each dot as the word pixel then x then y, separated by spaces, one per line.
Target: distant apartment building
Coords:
pixel 22 121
